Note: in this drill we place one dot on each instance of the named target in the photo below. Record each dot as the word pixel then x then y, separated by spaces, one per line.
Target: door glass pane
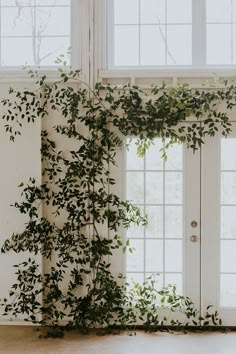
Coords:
pixel 154 228
pixel 133 161
pixel 154 256
pixel 157 188
pixel 174 160
pixel 154 182
pixel 173 187
pixel 175 279
pixel 135 260
pixel 135 187
pixel 228 223
pixel 228 259
pixel 228 290
pixel 173 256
pixel 173 221
pixel 228 188
pixel 153 157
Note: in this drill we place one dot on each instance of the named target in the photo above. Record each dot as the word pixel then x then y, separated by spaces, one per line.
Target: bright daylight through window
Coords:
pixel 33 32
pixel 172 32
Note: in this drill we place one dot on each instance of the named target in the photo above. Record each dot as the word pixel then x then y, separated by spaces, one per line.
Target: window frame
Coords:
pixel 78 30
pixel 199 49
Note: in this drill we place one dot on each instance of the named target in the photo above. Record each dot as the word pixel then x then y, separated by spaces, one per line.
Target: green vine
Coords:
pixel 78 289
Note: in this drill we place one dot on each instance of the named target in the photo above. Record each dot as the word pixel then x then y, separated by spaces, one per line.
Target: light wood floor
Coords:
pixel 19 340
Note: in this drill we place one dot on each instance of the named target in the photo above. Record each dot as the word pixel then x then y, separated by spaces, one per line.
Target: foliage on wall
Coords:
pixel 79 289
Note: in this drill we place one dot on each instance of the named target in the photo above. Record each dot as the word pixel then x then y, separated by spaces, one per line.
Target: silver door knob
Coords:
pixel 193 238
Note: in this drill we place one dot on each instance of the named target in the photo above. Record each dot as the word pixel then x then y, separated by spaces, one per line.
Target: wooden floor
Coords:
pixel 15 339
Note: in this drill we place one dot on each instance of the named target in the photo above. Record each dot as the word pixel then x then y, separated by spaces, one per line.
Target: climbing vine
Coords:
pixel 78 290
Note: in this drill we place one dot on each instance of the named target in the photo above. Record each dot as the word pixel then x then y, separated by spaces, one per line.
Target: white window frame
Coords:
pixel 105 70
pixel 79 39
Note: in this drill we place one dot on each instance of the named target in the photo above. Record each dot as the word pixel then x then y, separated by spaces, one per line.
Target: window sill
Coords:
pixel 145 77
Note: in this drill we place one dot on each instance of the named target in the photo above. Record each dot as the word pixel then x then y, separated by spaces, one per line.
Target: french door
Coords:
pixel 190 241
pixel 218 224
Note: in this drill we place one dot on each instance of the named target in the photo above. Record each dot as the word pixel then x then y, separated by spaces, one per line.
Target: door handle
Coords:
pixel 194 238
pixel 194 223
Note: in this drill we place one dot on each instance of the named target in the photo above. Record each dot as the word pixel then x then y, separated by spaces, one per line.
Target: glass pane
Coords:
pixel 155 222
pixel 134 278
pixel 53 2
pixel 154 256
pixel 154 161
pixel 179 41
pixel 173 187
pixel 17 2
pixel 228 154
pixel 173 222
pixel 133 161
pixel 158 278
pixel 228 259
pixel 135 187
pixel 37 2
pixel 179 11
pixel 136 231
pixel 17 23
pixel 175 279
pixel 228 290
pixel 218 36
pixel 53 21
pixel 126 45
pixel 228 187
pixel 154 188
pixel 152 11
pixel 234 10
pixel 21 46
pixel 173 256
pixel 228 222
pixel 50 48
pixel 218 11
pixel 135 260
pixel 174 158
pixel 233 41
pixel 152 45
pixel 126 11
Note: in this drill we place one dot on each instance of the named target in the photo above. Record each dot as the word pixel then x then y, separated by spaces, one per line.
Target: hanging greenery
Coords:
pixel 78 289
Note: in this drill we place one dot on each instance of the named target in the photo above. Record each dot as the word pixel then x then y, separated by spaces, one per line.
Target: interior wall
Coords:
pixel 19 161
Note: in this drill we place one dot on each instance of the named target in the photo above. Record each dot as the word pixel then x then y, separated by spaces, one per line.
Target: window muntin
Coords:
pixel 152 33
pixel 34 32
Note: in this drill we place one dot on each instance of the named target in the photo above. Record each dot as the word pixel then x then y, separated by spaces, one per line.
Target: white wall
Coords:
pixel 18 162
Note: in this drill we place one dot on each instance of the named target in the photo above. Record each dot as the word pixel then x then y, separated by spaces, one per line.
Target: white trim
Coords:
pixel 21 76
pixel 100 37
pixel 198 32
pixel 199 41
pixel 76 33
pixel 169 72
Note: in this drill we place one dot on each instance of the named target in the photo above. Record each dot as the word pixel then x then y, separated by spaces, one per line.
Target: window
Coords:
pixel 171 33
pixel 34 32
